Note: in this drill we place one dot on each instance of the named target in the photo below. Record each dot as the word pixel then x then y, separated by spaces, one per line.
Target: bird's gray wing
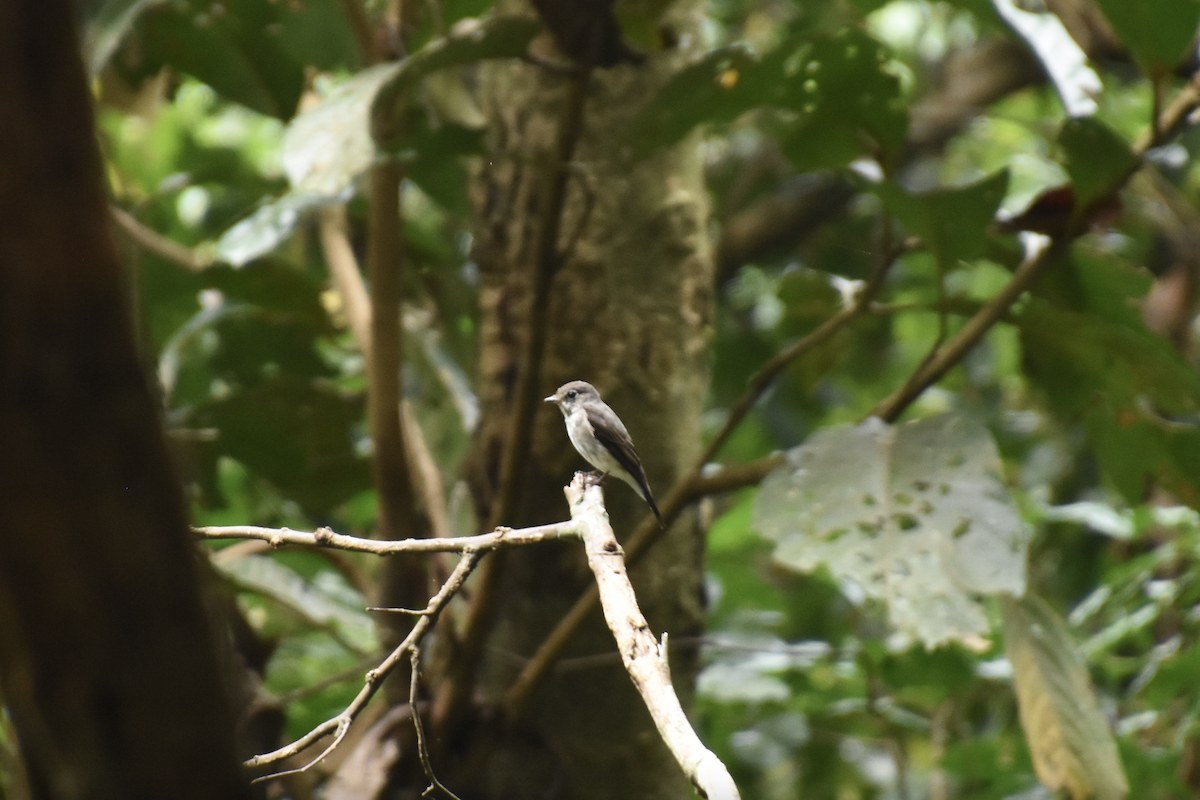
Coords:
pixel 611 433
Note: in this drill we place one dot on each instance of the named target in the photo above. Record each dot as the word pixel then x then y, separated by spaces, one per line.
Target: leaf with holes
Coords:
pixel 915 514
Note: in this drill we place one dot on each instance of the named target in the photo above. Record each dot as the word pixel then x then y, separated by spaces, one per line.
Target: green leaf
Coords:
pixel 839 100
pixel 1077 356
pixel 848 103
pixel 1097 159
pixel 295 433
pixel 324 603
pixel 713 90
pixel 1068 736
pixel 916 515
pixel 267 228
pixel 106 28
pixel 1157 33
pixel 953 222
pixel 230 47
pixel 327 147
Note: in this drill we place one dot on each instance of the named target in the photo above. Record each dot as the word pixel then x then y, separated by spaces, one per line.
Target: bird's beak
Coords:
pixel 550 399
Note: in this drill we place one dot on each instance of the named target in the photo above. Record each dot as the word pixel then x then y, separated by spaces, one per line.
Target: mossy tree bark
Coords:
pixel 628 312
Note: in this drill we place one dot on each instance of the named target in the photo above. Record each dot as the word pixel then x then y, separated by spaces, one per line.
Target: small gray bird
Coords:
pixel 600 437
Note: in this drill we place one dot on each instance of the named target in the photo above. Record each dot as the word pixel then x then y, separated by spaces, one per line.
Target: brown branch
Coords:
pixel 644 658
pixel 324 537
pixel 392 483
pixel 947 356
pixel 364 35
pixel 451 700
pixel 767 374
pixel 347 277
pixel 339 725
pixel 155 243
pixel 419 728
pixel 1173 117
pixel 343 268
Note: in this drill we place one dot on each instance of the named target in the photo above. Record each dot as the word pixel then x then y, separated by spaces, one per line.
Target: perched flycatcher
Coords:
pixel 600 437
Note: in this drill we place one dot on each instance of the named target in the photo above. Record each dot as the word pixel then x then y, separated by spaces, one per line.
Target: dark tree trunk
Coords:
pixel 107 661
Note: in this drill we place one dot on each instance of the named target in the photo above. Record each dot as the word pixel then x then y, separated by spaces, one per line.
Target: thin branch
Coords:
pixel 991 312
pixel 324 537
pixel 392 482
pixel 339 725
pixel 304 692
pixel 825 331
pixel 455 691
pixel 343 268
pixel 356 303
pixel 356 15
pixel 1173 117
pixel 154 242
pixel 644 658
pixel 419 728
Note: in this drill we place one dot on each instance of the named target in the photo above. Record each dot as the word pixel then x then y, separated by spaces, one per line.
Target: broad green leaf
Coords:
pixel 1097 159
pixel 848 104
pixel 1157 33
pixel 335 608
pixel 328 146
pixel 297 434
pixel 916 515
pixel 839 100
pixel 1068 736
pixel 230 47
pixel 265 229
pixel 106 28
pixel 953 222
pixel 713 90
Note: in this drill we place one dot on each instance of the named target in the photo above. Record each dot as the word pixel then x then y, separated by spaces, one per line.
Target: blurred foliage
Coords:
pixel 225 125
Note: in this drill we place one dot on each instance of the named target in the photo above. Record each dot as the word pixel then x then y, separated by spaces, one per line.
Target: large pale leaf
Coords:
pixel 330 605
pixel 1069 738
pixel 328 146
pixel 916 515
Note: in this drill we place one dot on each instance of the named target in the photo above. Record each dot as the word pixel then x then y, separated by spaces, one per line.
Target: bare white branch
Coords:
pixel 644 658
pixel 340 724
pixel 325 537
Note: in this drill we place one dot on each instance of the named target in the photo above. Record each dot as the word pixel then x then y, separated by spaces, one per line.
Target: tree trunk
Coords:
pixel 628 312
pixel 107 661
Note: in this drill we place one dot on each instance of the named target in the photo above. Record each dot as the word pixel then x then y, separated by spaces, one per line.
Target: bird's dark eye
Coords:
pixel 571 394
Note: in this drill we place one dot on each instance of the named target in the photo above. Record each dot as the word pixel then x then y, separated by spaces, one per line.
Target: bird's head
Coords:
pixel 571 395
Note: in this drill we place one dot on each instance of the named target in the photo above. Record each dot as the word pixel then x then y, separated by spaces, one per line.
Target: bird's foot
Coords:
pixel 594 478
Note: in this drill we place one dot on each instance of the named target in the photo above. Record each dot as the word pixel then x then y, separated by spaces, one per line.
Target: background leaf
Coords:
pixel 915 515
pixel 1068 736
